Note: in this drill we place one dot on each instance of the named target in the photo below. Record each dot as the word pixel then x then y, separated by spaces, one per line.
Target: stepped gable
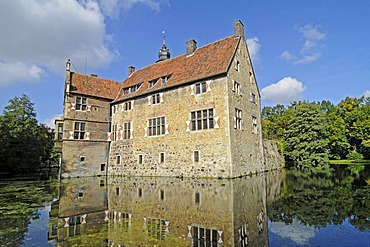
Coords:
pixel 207 61
pixel 94 86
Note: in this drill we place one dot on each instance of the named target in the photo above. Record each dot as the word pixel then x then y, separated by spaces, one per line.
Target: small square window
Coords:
pixel 102 167
pixel 82 158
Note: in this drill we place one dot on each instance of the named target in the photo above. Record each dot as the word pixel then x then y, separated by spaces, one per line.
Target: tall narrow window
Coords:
pixel 236 65
pixel 140 159
pixel 236 87
pixel 114 132
pixel 238 119
pixel 60 131
pixel 157 126
pixel 197 198
pixel 162 195
pixel 81 103
pixel 127 130
pixel 79 131
pixel 254 125
pixel 127 106
pixel 118 160
pixel 196 156
pixel 202 119
pixel 253 98
pixel 161 158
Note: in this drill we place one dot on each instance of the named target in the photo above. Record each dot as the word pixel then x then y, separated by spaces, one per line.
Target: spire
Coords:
pixel 164 52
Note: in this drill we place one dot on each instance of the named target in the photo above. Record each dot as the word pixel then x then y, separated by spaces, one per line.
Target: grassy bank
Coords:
pixel 346 162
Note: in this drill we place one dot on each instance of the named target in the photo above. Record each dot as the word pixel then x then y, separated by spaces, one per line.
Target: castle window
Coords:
pixel 81 103
pixel 82 158
pixel 238 119
pixel 127 130
pixel 127 106
pixel 196 156
pixel 236 87
pixel 254 125
pixel 102 167
pixel 118 160
pixel 60 131
pixel 253 98
pixel 197 198
pixel 152 82
pixel 161 158
pixel 204 237
pixel 140 192
pixel 157 126
pixel 156 99
pixel 236 65
pixel 126 91
pixel 117 191
pixel 140 158
pixel 162 195
pixel 202 119
pixel 165 79
pixel 200 87
pixel 114 132
pixel 79 131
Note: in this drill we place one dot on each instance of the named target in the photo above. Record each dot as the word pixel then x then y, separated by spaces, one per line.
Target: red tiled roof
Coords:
pixel 207 61
pixel 94 86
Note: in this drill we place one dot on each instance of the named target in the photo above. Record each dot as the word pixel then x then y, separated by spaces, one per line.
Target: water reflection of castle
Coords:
pixel 164 211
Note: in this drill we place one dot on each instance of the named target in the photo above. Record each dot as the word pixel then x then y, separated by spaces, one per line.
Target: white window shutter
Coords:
pixel 192 92
pixel 145 132
pixel 216 121
pixel 149 100
pixel 87 136
pixel 121 134
pixel 109 135
pixel 73 106
pixel 161 97
pixel 233 88
pixel 209 89
pixel 166 129
pixel 132 104
pixel 89 107
pixel 123 107
pixel 71 135
pixel 131 134
pixel 234 122
pixel 188 126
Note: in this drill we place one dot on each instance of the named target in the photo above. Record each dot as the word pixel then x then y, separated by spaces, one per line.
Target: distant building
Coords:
pixel 195 115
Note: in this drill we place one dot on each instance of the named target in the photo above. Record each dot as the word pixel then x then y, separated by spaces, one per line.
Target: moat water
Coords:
pixel 277 208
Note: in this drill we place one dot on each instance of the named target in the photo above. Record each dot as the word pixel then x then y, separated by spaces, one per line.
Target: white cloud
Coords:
pixel 367 93
pixel 254 48
pixel 312 47
pixel 18 71
pixel 284 91
pixel 41 35
pixel 297 232
pixel 112 8
pixel 50 121
pixel 311 32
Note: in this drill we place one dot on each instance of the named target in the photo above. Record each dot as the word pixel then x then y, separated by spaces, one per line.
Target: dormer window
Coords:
pixel 132 89
pixel 165 79
pixel 126 91
pixel 152 82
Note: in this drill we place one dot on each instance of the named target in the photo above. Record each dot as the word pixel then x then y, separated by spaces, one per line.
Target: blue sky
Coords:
pixel 301 50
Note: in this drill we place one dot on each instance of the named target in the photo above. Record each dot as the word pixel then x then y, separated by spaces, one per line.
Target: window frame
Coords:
pixel 200 87
pixel 126 130
pixel 199 121
pixel 81 103
pixel 238 119
pixel 156 128
pixel 79 133
pixel 196 156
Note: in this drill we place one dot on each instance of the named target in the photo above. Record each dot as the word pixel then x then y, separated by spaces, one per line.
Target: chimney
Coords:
pixel 131 69
pixel 191 46
pixel 238 28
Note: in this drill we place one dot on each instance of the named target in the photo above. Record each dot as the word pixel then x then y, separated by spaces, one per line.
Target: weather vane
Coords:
pixel 164 37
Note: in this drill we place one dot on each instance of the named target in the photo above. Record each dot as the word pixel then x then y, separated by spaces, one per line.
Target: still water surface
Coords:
pixel 278 208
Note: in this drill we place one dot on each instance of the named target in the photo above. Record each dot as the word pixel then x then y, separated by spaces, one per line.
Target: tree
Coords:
pixel 25 143
pixel 305 144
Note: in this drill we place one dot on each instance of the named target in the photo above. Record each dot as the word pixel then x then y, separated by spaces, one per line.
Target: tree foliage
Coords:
pixel 24 143
pixel 312 132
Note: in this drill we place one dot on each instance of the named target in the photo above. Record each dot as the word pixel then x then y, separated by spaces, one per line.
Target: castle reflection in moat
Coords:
pixel 140 211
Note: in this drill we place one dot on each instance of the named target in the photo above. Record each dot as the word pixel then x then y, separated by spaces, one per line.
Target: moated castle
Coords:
pixel 195 115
